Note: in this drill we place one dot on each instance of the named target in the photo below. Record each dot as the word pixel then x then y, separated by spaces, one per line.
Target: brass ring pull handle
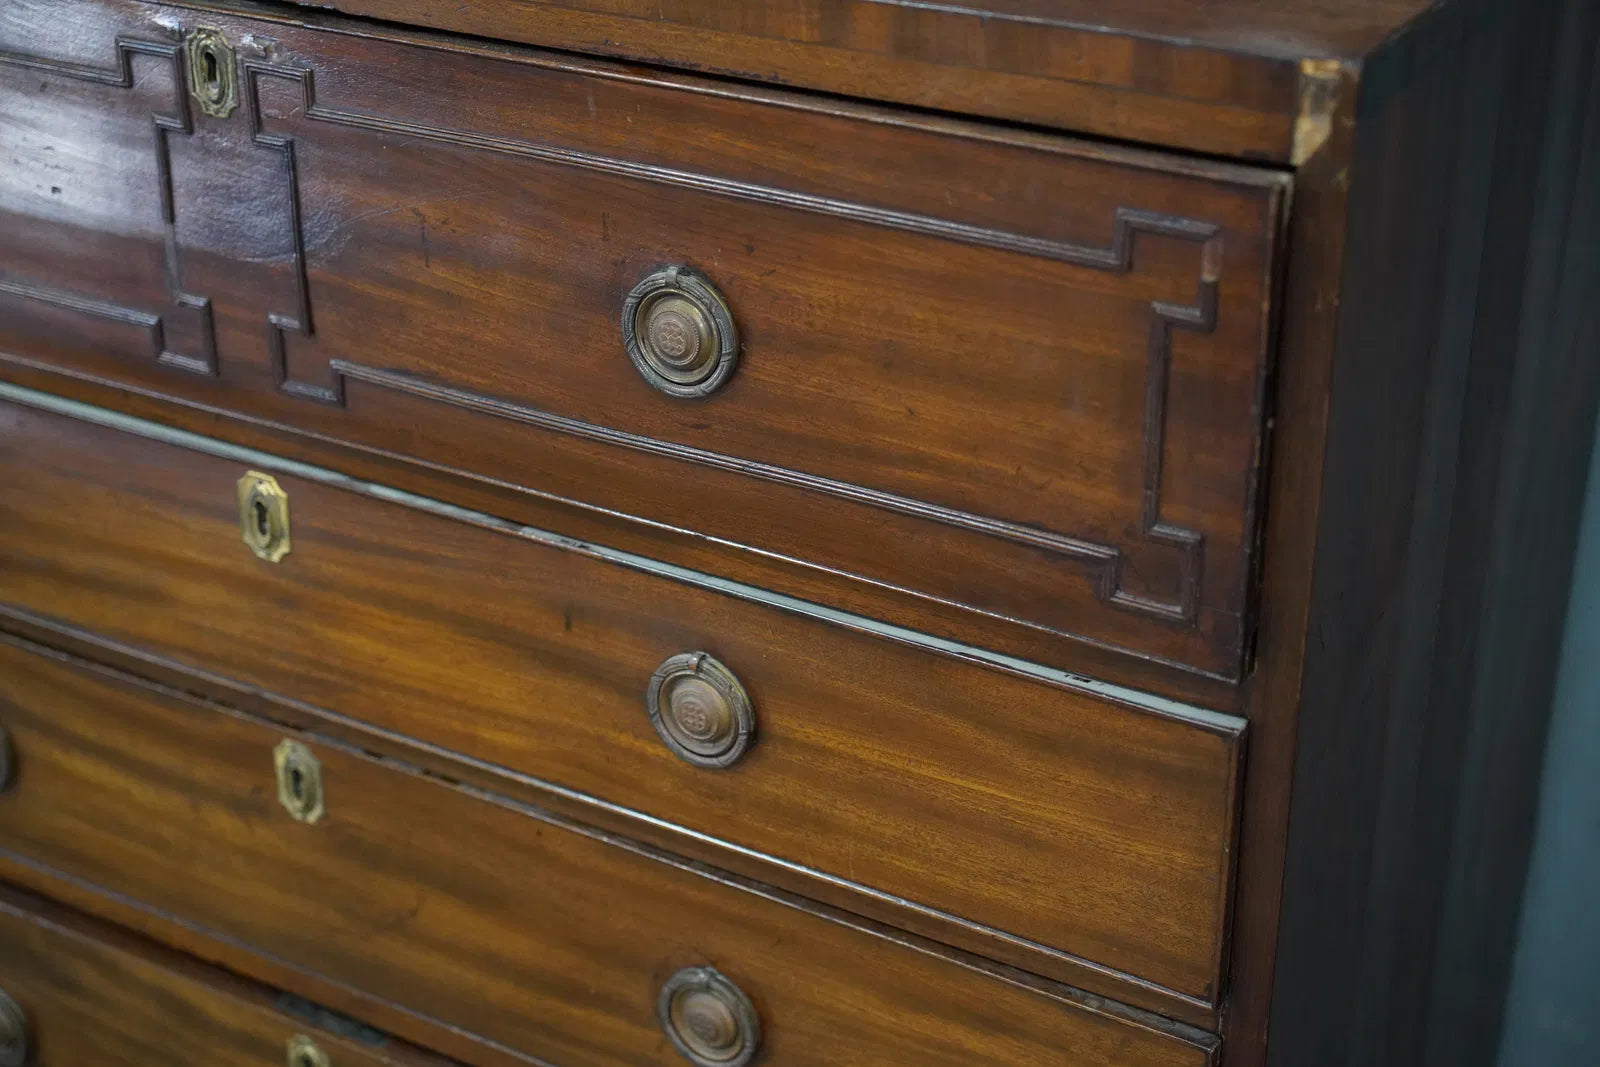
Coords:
pixel 679 332
pixel 8 762
pixel 304 1052
pixel 299 781
pixel 264 516
pixel 709 1019
pixel 13 1033
pixel 701 710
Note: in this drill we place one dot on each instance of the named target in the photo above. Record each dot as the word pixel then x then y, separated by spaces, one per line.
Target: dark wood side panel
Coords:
pixel 1087 835
pixel 1467 333
pixel 1005 373
pixel 93 994
pixel 495 918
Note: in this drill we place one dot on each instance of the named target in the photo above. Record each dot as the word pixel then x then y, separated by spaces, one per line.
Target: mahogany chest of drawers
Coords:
pixel 840 532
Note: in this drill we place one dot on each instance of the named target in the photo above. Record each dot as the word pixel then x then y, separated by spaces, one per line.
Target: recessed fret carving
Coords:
pixel 178 119
pixel 282 328
pixel 303 369
pixel 327 383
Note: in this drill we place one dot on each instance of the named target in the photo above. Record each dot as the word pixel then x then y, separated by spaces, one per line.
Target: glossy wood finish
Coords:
pixel 1232 78
pixel 94 995
pixel 500 919
pixel 1000 373
pixel 1428 401
pixel 783 578
pixel 1090 833
pixel 1272 695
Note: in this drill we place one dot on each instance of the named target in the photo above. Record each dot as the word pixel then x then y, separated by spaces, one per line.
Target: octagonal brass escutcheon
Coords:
pixel 213 72
pixel 299 774
pixel 264 516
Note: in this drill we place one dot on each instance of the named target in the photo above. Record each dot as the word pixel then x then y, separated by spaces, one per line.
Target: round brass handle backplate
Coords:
pixel 13 1033
pixel 709 1019
pixel 679 332
pixel 701 710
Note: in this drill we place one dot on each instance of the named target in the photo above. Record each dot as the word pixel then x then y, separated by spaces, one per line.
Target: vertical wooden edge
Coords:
pixel 1228 873
pixel 1306 514
pixel 1291 500
pixel 1279 214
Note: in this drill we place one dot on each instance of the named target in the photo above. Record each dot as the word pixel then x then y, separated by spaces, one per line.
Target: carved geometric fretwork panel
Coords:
pixel 1088 390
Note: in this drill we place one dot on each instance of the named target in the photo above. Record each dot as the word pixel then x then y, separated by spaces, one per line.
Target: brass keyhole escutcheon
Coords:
pixel 13 1032
pixel 213 72
pixel 709 1019
pixel 679 332
pixel 701 710
pixel 305 1052
pixel 299 781
pixel 264 516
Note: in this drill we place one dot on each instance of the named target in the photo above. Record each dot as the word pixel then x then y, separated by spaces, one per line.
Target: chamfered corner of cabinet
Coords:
pixel 1324 87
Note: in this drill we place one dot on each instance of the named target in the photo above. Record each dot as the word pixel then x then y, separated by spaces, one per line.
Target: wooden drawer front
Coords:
pixel 531 932
pixel 1011 374
pixel 92 996
pixel 1089 829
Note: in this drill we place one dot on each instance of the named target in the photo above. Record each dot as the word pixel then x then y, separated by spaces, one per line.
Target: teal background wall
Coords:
pixel 1553 1006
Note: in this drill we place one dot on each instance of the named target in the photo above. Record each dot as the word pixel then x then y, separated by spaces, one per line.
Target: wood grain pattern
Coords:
pixel 1094 835
pixel 500 919
pixel 1038 362
pixel 1271 697
pixel 783 578
pixel 95 995
pixel 1222 78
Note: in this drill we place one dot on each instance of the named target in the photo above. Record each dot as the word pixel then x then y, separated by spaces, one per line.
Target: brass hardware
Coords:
pixel 304 1052
pixel 264 516
pixel 213 73
pixel 13 1033
pixel 701 710
pixel 299 781
pixel 709 1019
pixel 8 762
pixel 679 332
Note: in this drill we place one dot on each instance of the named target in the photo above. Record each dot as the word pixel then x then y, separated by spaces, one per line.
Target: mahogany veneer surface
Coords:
pixel 1012 375
pixel 1235 77
pixel 1133 504
pixel 534 933
pixel 1038 812
pixel 92 994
